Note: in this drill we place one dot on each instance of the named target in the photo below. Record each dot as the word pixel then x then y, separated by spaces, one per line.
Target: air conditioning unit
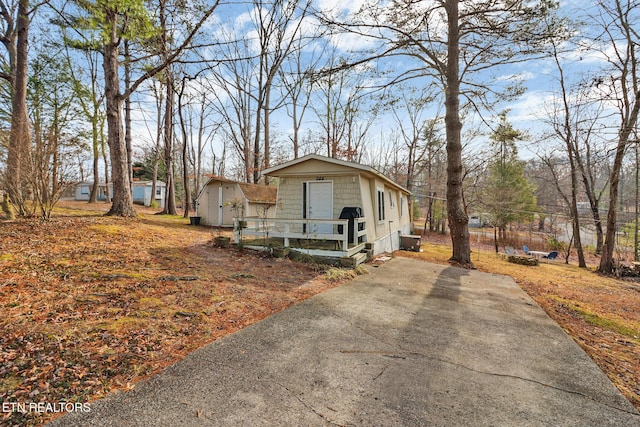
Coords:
pixel 410 243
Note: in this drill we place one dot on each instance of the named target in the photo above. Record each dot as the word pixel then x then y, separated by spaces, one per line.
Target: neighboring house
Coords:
pixel 141 191
pixel 83 191
pixel 323 189
pixel 213 204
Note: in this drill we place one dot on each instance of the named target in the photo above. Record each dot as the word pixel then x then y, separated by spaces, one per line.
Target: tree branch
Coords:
pixel 152 72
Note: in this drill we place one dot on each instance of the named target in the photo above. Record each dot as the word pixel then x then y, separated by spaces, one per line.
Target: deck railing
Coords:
pixel 336 230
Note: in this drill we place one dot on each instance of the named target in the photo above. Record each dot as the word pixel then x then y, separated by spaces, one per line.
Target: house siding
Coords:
pixel 290 197
pixel 346 193
pixel 289 203
pixel 353 186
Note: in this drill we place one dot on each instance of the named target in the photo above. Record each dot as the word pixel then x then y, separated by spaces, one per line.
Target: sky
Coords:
pixel 526 112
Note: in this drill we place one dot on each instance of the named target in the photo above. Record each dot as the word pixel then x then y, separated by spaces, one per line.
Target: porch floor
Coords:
pixel 319 247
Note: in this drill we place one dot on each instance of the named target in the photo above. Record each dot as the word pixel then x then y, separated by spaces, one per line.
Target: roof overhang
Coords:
pixel 331 167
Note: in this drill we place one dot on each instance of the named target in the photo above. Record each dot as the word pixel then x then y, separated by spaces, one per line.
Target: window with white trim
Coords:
pixel 381 215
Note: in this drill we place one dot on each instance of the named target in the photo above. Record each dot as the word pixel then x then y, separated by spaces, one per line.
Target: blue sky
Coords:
pixel 525 113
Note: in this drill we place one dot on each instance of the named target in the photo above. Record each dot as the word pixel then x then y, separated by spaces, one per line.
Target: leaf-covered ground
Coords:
pixel 601 314
pixel 92 304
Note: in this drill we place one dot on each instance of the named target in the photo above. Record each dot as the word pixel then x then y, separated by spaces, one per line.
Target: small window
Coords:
pixel 401 205
pixel 84 189
pixel 381 215
pixel 158 191
pixel 391 203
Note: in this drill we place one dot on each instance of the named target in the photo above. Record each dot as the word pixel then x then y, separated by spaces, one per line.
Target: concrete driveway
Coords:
pixel 410 344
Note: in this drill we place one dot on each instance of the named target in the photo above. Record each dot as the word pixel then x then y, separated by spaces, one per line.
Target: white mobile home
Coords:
pixel 141 192
pixel 315 193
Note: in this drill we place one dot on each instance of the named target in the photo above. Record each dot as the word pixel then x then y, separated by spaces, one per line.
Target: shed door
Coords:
pixel 320 205
pixel 220 204
pixel 212 206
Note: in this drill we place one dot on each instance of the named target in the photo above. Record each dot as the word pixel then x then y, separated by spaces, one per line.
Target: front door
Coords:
pixel 320 205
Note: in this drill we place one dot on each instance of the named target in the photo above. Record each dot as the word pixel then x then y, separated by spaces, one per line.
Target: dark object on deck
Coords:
pixel 351 213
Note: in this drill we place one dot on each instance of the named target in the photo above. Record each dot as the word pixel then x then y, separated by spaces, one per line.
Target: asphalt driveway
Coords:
pixel 410 344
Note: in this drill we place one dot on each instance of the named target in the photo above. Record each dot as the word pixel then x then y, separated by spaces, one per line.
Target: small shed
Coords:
pixel 325 189
pixel 213 204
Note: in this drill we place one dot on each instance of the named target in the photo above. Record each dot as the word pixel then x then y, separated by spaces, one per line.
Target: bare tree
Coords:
pixel 278 23
pixel 15 38
pixel 618 26
pixel 52 102
pixel 343 106
pixel 167 124
pixel 89 98
pixel 117 21
pixel 295 76
pixel 452 41
pixel 230 85
pixel 566 131
pixel 418 132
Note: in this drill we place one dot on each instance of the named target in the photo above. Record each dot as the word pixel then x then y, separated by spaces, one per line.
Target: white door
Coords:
pixel 320 205
pixel 212 205
pixel 220 204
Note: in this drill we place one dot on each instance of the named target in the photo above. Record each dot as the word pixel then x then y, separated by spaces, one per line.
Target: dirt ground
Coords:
pixel 92 304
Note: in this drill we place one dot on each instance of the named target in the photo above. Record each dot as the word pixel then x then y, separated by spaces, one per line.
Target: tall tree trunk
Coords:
pixel 607 263
pixel 256 137
pixel 105 158
pixel 198 166
pixel 127 110
pixel 122 200
pixel 267 135
pixel 574 211
pixel 170 203
pixel 246 137
pixel 18 155
pixel 636 247
pixel 93 196
pixel 256 147
pixel 156 148
pixel 296 130
pixel 458 219
pixel 574 157
pixel 185 162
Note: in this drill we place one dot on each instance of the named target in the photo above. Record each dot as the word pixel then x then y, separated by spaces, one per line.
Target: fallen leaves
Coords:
pixel 92 304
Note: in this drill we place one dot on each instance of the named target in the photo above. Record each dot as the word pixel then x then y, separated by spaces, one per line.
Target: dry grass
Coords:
pixel 92 304
pixel 602 314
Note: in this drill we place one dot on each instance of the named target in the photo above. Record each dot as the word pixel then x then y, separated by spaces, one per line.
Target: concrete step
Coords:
pixel 353 260
pixel 368 253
